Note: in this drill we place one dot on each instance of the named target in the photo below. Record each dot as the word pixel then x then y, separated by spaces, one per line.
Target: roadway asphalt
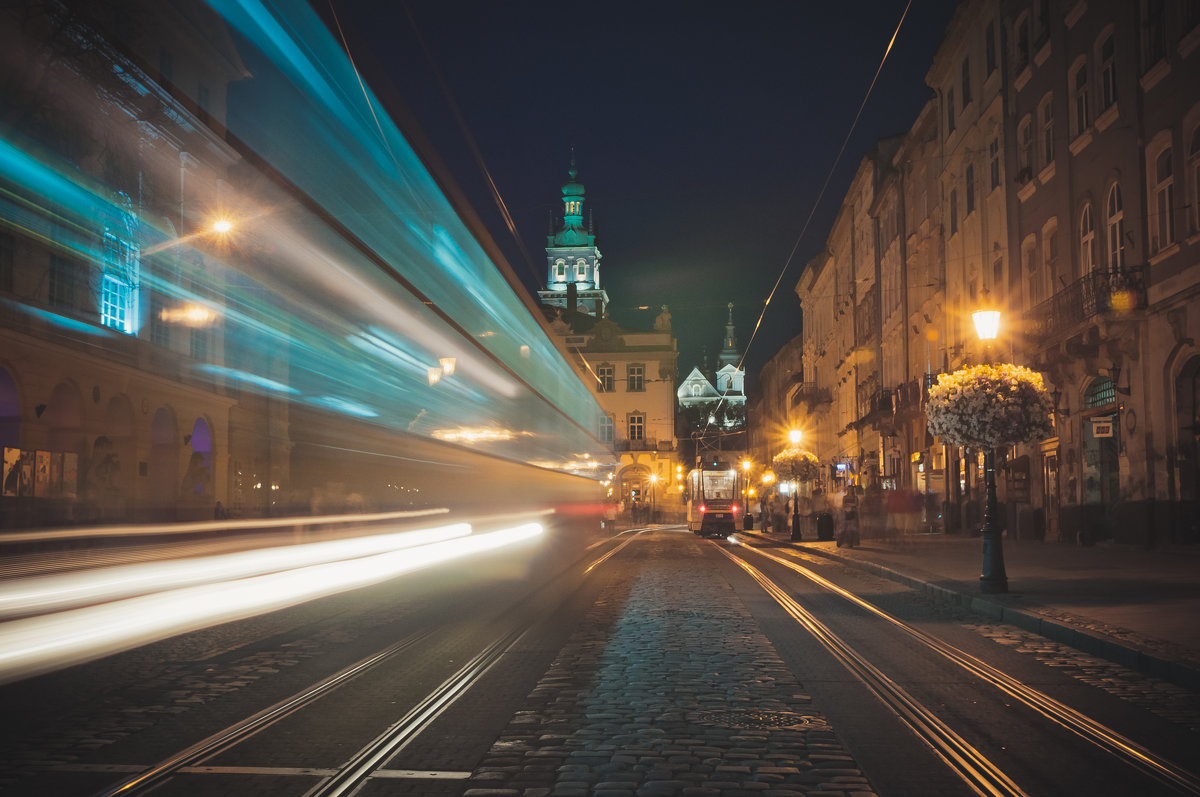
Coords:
pixel 1134 606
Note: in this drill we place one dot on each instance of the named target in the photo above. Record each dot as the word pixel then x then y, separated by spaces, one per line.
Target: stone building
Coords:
pixel 1052 176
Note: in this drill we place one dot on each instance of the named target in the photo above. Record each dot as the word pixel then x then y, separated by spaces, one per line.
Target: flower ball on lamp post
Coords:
pixel 985 406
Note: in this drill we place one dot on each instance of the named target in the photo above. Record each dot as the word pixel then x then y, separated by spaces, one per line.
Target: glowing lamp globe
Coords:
pixel 987 324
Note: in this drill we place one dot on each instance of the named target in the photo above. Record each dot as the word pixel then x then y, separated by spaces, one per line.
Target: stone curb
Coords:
pixel 1178 673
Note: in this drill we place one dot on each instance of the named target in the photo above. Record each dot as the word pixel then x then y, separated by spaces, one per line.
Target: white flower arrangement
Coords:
pixel 984 406
pixel 796 464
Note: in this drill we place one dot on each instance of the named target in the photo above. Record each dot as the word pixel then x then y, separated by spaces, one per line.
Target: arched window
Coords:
pixel 1087 241
pixel 1115 223
pixel 1100 393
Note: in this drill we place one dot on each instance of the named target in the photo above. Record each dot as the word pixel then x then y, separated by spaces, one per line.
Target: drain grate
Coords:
pixel 748 719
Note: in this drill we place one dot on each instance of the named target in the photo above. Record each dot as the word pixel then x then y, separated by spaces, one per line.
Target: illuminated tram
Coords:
pixel 251 293
pixel 714 498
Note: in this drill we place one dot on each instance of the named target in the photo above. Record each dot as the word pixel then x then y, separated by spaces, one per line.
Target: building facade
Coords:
pixel 1053 176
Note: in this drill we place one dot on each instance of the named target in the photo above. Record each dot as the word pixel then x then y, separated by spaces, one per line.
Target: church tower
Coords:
pixel 729 350
pixel 730 378
pixel 572 259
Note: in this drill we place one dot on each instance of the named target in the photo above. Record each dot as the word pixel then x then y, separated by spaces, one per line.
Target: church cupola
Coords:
pixel 572 259
pixel 572 192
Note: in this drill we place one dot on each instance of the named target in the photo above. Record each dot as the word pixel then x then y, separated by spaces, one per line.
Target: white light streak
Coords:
pixel 41 644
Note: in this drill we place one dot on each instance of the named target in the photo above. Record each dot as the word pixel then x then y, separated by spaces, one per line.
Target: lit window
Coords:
pixel 122 255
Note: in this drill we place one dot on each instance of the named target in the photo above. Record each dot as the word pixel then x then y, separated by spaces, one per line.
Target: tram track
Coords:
pixel 983 776
pixel 371 758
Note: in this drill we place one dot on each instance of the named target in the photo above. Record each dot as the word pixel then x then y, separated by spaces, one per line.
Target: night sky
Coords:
pixel 703 133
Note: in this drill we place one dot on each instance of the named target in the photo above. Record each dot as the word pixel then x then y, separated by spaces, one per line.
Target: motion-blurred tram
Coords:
pixel 231 285
pixel 715 499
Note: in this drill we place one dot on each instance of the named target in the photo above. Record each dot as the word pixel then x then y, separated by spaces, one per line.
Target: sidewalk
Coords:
pixel 1137 607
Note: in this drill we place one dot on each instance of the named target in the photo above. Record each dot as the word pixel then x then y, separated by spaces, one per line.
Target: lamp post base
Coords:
pixel 994 579
pixel 993 586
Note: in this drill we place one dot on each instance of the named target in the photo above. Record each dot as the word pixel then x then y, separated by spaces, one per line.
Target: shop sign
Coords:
pixel 1102 427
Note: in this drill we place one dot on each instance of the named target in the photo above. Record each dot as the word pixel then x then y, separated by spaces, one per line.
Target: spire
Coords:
pixel 729 350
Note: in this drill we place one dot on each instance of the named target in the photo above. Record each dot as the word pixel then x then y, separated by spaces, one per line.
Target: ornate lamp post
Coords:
pixel 993 579
pixel 982 407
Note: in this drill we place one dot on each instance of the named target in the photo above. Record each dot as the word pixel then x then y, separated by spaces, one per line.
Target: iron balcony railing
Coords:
pixel 1097 293
pixel 643 445
pixel 812 395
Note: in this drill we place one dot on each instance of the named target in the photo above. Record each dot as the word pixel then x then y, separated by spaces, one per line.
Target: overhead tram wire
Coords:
pixel 458 117
pixel 824 186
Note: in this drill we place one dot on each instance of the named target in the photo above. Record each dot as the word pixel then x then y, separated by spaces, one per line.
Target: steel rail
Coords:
pixel 977 771
pixel 1102 736
pixel 359 768
pixel 351 775
pixel 373 756
pixel 355 771
pixel 239 731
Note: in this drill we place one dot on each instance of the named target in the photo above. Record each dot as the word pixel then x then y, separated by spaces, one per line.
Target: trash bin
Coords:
pixel 824 526
pixel 748 522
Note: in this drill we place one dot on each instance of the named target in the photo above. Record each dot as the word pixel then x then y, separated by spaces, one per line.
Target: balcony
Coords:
pixel 875 409
pixel 643 445
pixel 1098 293
pixel 811 395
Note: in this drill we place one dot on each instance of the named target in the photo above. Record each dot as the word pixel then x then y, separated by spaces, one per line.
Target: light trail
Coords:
pixel 41 644
pixel 70 590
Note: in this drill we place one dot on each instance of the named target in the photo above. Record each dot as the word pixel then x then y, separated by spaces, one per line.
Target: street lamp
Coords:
pixel 993 579
pixel 653 481
pixel 794 436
